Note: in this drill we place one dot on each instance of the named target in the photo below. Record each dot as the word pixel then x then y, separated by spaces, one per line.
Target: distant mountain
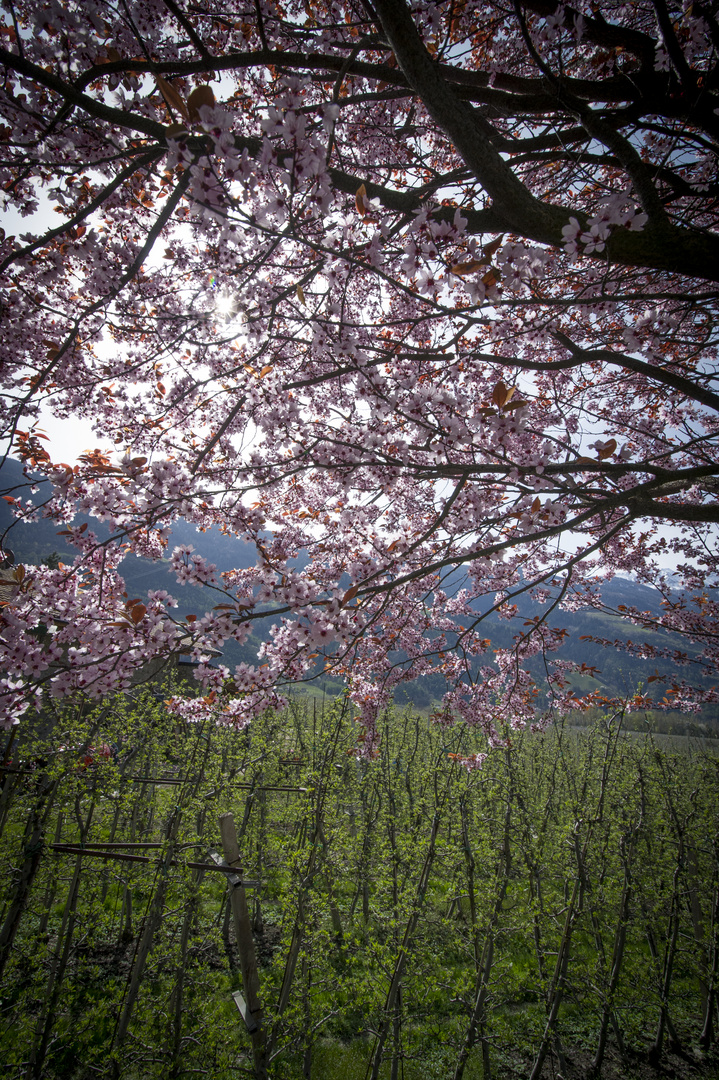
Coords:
pixel 609 670
pixel 33 543
pixel 42 537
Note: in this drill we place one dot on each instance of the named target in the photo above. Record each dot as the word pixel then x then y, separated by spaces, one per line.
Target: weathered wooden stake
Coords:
pixel 32 851
pixel 52 885
pixel 246 948
pixel 153 921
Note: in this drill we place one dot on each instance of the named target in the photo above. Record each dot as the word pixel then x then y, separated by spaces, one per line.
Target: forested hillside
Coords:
pixel 594 636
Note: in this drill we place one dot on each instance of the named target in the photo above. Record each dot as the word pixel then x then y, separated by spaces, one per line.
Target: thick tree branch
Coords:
pixel 660 247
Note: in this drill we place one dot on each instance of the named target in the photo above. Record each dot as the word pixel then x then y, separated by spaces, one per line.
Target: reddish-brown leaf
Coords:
pixel 173 100
pixel 500 394
pixel 350 594
pixel 608 450
pixel 469 267
pixel 361 201
pixel 489 249
pixel 201 95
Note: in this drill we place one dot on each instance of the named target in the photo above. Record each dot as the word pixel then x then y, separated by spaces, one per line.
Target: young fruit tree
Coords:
pixel 420 298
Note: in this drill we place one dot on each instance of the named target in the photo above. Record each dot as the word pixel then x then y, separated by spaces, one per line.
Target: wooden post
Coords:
pixel 153 921
pixel 246 948
pixel 50 890
pixel 32 851
pixel 60 960
pixel 398 974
